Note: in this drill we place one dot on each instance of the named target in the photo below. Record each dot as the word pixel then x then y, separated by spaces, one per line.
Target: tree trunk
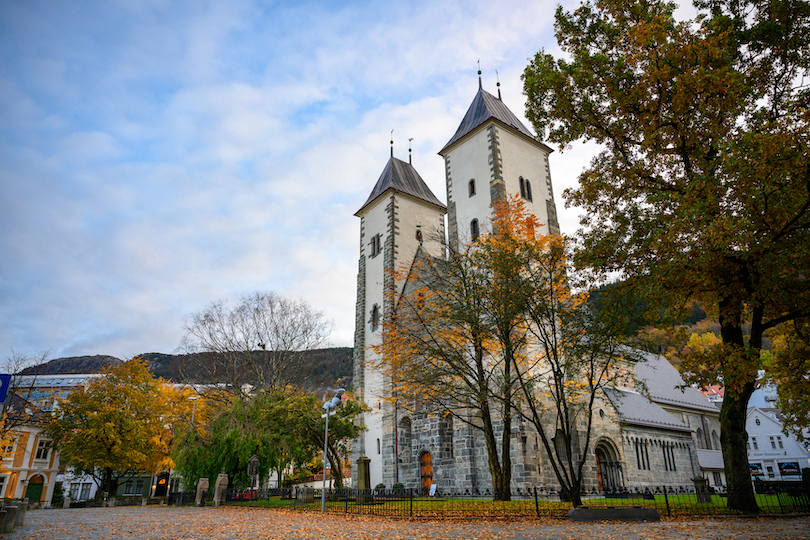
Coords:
pixel 733 436
pixel 733 440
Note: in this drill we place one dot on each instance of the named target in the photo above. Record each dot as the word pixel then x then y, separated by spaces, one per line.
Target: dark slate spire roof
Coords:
pixel 484 107
pixel 402 177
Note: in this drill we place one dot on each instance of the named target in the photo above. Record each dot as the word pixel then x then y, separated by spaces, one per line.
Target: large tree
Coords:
pixel 118 425
pixel 570 356
pixel 260 342
pixel 702 189
pixel 445 349
pixel 282 427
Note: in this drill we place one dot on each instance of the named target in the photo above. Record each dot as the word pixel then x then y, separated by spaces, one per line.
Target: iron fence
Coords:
pixel 771 497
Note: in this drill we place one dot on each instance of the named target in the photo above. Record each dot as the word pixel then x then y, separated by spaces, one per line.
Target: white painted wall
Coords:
pixel 772 446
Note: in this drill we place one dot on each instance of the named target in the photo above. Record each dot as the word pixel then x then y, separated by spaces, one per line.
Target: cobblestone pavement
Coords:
pixel 229 523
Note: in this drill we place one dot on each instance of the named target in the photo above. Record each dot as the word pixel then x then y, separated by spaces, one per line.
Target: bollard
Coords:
pixel 10 518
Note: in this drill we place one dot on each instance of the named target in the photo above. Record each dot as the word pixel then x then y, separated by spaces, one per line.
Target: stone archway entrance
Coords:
pixel 426 460
pixel 608 468
pixel 34 491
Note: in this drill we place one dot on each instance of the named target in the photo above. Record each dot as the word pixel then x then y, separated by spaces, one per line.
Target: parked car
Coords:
pixel 247 494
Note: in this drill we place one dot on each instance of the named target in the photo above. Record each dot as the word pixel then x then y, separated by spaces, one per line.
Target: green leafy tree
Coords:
pixel 702 190
pixel 788 367
pixel 281 427
pixel 118 425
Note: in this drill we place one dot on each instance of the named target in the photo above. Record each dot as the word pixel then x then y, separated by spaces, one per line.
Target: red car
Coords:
pixel 248 494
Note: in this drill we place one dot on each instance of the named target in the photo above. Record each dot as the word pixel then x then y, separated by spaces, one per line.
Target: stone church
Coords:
pixel 664 438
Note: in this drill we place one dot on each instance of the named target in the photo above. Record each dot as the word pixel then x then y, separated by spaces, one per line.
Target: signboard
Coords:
pixel 5 382
pixel 756 469
pixel 789 468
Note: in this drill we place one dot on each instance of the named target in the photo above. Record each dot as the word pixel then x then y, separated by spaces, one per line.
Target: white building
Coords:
pixel 773 455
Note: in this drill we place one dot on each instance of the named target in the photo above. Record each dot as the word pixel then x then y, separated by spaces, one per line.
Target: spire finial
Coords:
pixel 392 143
pixel 479 74
pixel 410 160
pixel 497 78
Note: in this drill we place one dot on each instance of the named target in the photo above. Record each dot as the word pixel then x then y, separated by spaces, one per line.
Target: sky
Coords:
pixel 156 156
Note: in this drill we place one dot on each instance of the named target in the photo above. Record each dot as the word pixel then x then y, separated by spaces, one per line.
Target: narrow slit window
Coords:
pixel 472 187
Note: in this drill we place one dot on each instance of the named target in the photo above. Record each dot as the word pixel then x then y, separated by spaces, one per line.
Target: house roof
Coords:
pixel 633 408
pixel 402 177
pixel 665 385
pixel 485 106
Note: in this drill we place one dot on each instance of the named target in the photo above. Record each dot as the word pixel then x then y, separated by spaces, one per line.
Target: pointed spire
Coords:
pixel 410 160
pixel 480 86
pixel 497 78
pixel 392 143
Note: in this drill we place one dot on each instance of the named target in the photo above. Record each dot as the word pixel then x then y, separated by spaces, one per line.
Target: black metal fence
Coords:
pixel 771 497
pixel 774 497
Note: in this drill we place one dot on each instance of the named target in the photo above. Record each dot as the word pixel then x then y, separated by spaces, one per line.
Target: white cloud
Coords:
pixel 156 156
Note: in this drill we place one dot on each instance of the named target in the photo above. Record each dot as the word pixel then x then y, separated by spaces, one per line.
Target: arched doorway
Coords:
pixel 34 491
pixel 608 468
pixel 426 460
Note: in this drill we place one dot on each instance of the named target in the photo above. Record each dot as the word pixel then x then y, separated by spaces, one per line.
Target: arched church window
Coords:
pixel 528 191
pixel 375 317
pixel 376 245
pixel 471 187
pixel 474 230
pixel 715 441
pixel 700 439
pixel 522 188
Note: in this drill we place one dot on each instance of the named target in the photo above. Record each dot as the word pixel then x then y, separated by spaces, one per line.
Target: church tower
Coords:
pixel 491 156
pixel 401 216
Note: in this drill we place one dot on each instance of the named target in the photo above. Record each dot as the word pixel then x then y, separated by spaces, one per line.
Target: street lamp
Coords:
pixel 329 409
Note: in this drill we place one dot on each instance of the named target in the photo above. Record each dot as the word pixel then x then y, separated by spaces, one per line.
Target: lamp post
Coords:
pixel 328 409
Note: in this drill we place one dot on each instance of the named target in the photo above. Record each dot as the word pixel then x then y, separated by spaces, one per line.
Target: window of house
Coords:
pixel 375 317
pixel 642 456
pixel 43 450
pixel 754 442
pixel 770 472
pixel 779 442
pixel 376 245
pixel 85 494
pixel 3 486
pixel 718 478
pixel 139 487
pixel 474 229
pixel 773 442
pixel 74 490
pixel 129 487
pixel 8 448
pixel 471 187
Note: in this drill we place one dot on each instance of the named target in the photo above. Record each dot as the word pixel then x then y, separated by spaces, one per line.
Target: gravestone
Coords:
pixel 363 480
pixel 219 488
pixel 202 492
pixel 22 506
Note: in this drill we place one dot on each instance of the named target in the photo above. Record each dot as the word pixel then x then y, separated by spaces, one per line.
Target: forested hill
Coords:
pixel 323 368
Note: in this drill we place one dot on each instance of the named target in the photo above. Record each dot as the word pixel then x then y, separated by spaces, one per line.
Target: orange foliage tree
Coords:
pixel 492 331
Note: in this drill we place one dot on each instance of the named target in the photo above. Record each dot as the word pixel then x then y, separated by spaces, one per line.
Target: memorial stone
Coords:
pixel 202 492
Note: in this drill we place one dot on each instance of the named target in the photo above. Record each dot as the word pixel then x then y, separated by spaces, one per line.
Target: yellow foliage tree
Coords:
pixel 119 424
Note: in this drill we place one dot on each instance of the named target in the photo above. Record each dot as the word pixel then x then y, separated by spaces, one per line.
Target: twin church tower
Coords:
pixel 490 157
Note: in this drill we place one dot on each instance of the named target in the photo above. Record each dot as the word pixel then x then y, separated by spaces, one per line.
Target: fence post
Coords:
pixel 536 503
pixel 410 491
pixel 666 500
pixel 346 498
